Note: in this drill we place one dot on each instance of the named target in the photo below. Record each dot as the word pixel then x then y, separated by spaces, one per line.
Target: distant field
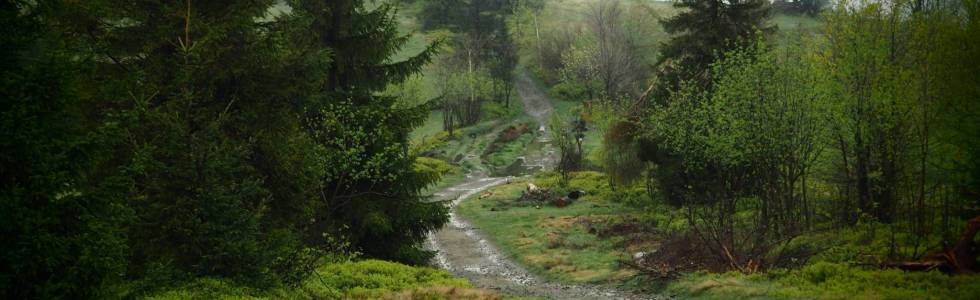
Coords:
pixel 793 22
pixel 432 125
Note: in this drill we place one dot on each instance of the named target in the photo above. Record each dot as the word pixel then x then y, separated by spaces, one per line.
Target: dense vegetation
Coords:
pixel 158 141
pixel 286 148
pixel 835 143
pixel 861 122
pixel 761 136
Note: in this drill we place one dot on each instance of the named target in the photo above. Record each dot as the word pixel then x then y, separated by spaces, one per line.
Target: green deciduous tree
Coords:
pixel 753 140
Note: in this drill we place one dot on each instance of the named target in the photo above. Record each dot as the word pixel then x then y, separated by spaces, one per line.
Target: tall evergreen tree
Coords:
pixel 215 149
pixel 703 30
pixel 61 209
pixel 371 187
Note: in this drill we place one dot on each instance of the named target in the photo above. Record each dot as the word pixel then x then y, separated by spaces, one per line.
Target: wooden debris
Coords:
pixel 960 259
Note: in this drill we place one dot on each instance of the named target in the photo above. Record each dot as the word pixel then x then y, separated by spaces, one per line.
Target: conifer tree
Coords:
pixel 60 210
pixel 703 30
pixel 213 143
pixel 370 187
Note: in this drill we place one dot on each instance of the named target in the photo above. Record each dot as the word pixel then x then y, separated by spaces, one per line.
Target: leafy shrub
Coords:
pixel 366 279
pixel 433 167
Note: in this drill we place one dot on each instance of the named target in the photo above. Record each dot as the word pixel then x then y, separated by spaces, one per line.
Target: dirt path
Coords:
pixel 464 250
pixel 540 154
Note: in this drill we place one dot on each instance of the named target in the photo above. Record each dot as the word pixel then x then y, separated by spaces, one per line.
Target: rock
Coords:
pixel 562 202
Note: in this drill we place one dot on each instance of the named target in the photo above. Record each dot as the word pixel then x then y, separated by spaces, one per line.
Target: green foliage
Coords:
pixel 375 191
pixel 61 199
pixel 892 80
pixel 505 154
pixel 595 184
pixel 500 111
pixel 569 145
pixel 374 278
pixel 828 281
pixel 704 30
pixel 431 128
pixel 480 64
pixel 465 93
pixel 366 279
pixel 239 140
pixel 579 74
pixel 433 167
pixel 549 240
pixel 761 115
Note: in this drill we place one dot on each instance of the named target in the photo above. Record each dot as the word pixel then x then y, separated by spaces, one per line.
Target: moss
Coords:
pixel 825 280
pixel 365 279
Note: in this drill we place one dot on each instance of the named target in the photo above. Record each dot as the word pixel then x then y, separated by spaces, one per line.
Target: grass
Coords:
pixel 553 242
pixel 825 280
pixel 432 126
pixel 556 243
pixel 506 153
pixel 408 25
pixel 789 23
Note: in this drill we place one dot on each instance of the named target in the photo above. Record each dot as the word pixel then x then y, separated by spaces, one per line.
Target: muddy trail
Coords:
pixel 466 252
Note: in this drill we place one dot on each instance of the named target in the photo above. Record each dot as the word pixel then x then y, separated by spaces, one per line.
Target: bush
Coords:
pixel 366 279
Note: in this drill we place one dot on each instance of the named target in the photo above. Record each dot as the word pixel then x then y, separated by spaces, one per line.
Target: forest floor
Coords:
pixel 466 252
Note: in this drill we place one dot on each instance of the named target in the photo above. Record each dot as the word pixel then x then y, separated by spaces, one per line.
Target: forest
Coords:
pixel 490 149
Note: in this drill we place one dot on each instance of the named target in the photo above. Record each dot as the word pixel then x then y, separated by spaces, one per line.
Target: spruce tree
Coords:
pixel 703 30
pixel 60 208
pixel 215 148
pixel 372 191
pixel 702 33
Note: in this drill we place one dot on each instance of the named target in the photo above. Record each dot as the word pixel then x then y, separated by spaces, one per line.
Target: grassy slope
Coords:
pixel 555 243
pixel 432 126
pixel 507 153
pixel 552 241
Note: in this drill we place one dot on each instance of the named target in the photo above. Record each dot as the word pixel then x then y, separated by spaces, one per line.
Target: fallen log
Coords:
pixel 960 259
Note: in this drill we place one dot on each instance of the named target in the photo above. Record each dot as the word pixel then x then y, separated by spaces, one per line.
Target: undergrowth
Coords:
pixel 365 279
pixel 824 280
